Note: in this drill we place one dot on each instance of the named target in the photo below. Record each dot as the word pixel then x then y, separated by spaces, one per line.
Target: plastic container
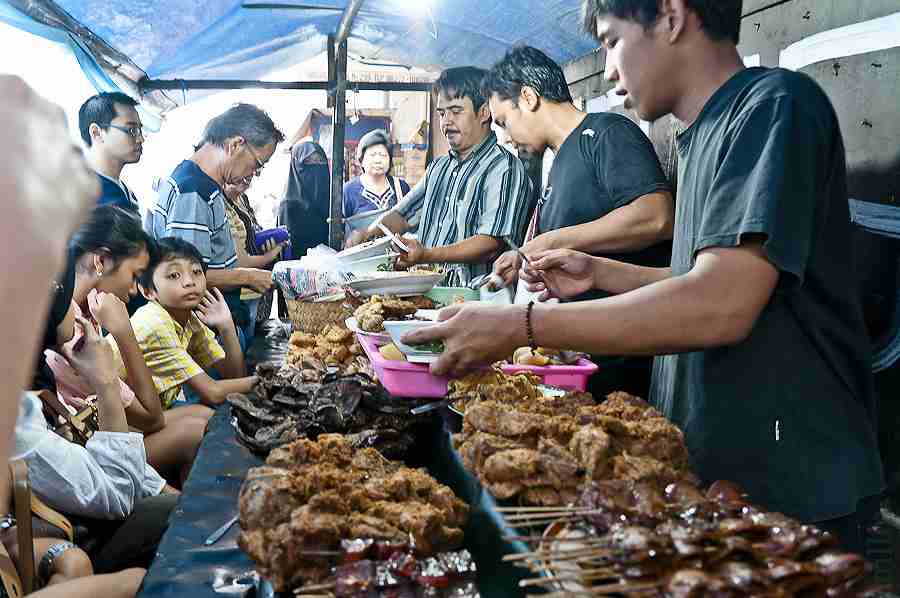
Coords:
pixel 280 235
pixel 447 295
pixel 401 378
pixel 570 377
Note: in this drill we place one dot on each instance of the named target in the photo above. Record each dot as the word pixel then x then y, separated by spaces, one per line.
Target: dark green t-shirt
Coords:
pixel 789 413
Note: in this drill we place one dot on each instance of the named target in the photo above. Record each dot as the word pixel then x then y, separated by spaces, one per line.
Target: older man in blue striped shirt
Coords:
pixel 473 202
pixel 190 204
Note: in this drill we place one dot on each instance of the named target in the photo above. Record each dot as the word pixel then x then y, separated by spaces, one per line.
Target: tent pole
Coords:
pixel 339 123
pixel 343 30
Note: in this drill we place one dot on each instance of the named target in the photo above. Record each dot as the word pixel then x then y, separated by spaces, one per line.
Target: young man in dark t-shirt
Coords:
pixel 765 358
pixel 606 195
pixel 111 130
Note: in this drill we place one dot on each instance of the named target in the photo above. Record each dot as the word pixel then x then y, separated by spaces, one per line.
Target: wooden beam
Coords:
pixel 339 124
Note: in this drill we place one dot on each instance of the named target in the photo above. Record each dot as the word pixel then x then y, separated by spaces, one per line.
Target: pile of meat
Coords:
pixel 284 407
pixel 335 348
pixel 373 569
pixel 640 540
pixel 542 451
pixel 310 496
pixel 371 315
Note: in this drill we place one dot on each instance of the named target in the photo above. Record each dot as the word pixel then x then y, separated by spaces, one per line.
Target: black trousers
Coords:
pixel 132 542
pixel 853 529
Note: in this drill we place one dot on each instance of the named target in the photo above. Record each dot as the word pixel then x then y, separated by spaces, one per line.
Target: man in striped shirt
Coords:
pixel 190 204
pixel 473 202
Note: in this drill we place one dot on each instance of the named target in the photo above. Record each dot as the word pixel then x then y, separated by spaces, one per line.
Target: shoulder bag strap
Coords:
pixel 9 576
pixel 22 503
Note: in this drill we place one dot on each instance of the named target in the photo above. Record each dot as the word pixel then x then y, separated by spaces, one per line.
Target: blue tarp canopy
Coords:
pixel 226 39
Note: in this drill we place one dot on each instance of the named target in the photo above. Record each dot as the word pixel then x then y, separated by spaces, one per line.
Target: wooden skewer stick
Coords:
pixel 555 554
pixel 538 509
pixel 315 588
pixel 554 513
pixel 542 581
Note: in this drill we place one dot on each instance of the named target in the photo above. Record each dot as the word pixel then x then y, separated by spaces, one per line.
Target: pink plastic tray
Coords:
pixel 414 380
pixel 400 378
pixel 570 377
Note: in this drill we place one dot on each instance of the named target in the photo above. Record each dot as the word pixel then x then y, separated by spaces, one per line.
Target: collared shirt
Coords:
pixel 191 206
pixel 102 480
pixel 485 194
pixel 174 353
pixel 114 192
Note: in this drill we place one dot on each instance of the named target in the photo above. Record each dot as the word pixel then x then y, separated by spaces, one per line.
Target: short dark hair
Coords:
pixel 525 66
pixel 168 249
pixel 242 120
pixel 720 19
pixel 462 82
pixel 101 109
pixel 114 232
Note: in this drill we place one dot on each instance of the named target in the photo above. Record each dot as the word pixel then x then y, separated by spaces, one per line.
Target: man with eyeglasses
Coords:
pixel 111 129
pixel 190 203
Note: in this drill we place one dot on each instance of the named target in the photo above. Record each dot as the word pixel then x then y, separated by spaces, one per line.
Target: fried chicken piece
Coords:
pixel 638 469
pixel 493 418
pixel 337 334
pixel 266 499
pixel 303 339
pixel 476 448
pixel 590 445
pixel 622 405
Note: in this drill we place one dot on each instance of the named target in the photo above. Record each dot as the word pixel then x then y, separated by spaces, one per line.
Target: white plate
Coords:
pixel 366 250
pixel 353 326
pixel 400 284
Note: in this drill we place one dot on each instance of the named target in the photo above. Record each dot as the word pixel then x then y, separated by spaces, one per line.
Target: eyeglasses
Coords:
pixel 134 131
pixel 255 157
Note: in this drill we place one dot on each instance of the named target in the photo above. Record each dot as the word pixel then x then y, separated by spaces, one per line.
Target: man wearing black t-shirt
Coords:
pixel 111 130
pixel 765 362
pixel 606 195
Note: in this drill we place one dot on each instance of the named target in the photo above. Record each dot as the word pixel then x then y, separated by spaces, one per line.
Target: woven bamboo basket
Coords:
pixel 313 316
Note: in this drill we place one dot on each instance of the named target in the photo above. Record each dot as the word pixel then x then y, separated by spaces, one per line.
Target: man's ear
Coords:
pixel 233 144
pixel 674 18
pixel 529 100
pixel 94 132
pixel 484 115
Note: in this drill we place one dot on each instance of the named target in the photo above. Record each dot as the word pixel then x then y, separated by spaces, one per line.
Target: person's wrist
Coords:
pixel 598 272
pixel 520 329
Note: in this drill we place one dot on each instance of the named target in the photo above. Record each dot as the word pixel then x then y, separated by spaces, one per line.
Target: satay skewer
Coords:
pixel 315 588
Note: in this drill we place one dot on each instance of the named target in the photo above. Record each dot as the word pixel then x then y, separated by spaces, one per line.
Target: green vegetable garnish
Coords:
pixel 432 347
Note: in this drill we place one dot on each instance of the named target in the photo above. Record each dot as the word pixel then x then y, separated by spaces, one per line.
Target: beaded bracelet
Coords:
pixel 528 327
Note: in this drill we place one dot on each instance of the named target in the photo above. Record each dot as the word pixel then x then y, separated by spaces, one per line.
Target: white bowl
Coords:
pixel 369 266
pixel 363 220
pixel 398 328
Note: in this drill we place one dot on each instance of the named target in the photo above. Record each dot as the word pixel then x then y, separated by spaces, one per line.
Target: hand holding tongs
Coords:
pixel 394 238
